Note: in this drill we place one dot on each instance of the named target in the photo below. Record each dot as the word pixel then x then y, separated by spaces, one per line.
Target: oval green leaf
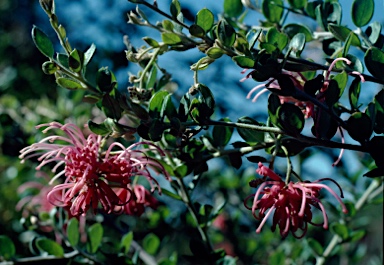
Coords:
pixel 205 19
pixel 73 231
pixel 49 246
pixel 42 42
pixel 362 12
pixel 292 29
pixel 151 243
pixel 68 83
pixel 170 38
pixel 233 8
pixel 273 10
pixel 374 60
pixel 95 236
pixel 7 248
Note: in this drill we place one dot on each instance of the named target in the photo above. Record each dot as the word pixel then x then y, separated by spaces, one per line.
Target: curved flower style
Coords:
pixel 299 81
pixel 291 203
pixel 138 198
pixel 90 174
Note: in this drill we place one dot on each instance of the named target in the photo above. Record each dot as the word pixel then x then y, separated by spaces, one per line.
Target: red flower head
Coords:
pixel 90 174
pixel 292 203
pixel 138 198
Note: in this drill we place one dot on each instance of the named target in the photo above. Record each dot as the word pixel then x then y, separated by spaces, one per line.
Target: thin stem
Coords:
pixel 305 139
pixel 156 9
pixel 187 200
pixel 147 67
pixel 336 239
pixel 289 165
pixel 33 260
pixel 77 77
pixel 247 126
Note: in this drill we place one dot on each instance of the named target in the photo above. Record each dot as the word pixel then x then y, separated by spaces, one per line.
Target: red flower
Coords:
pixel 292 203
pixel 90 174
pixel 138 198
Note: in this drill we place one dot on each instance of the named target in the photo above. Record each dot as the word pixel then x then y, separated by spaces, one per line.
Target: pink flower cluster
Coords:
pixel 291 203
pixel 93 177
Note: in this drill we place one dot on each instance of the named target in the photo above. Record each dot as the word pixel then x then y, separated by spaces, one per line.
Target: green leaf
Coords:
pixel 205 19
pixel 202 64
pixel 88 55
pixel 292 29
pixel 111 107
pixel 222 134
pixel 175 8
pixel 360 127
pixel 151 42
pixel 225 33
pixel 375 173
pixel 374 61
pixel 42 42
pixel 241 45
pixel 310 8
pixel 341 230
pixel 214 52
pixel 151 243
pixel 168 25
pixel 328 12
pixel 196 31
pixel 378 112
pixel 156 104
pixel 75 60
pixel 68 83
pixel 125 242
pixel 297 43
pixel 298 4
pixel 249 135
pixel 373 32
pixel 99 129
pixel 362 12
pixel 273 10
pixel 332 94
pixel 206 96
pixel 151 78
pixel 63 59
pixel 252 37
pixel 95 236
pixel 341 80
pixel 49 68
pixel 354 92
pixel 105 80
pixel 277 258
pixel 235 160
pixel 168 107
pixel 316 247
pixel 342 33
pixel 233 8
pixel 7 248
pixel 49 246
pixel 244 61
pixel 273 105
pixel 170 38
pixel 73 231
pixel 357 235
pixel 277 38
pixel 290 118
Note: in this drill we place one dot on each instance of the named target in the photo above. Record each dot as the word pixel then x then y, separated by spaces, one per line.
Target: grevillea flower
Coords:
pixel 291 203
pixel 137 200
pixel 299 81
pixel 90 174
pixel 308 108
